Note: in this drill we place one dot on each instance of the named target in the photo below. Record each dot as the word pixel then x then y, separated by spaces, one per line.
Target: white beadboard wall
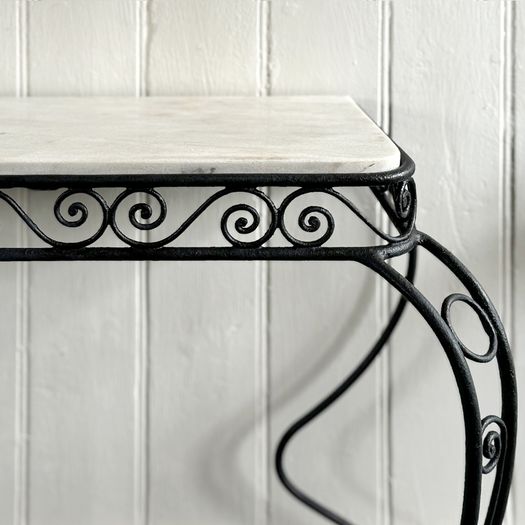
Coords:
pixel 155 393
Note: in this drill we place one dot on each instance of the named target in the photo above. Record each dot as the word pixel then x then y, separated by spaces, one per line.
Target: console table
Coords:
pixel 243 147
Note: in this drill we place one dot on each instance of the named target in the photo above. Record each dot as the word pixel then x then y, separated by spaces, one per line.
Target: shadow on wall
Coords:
pixel 226 439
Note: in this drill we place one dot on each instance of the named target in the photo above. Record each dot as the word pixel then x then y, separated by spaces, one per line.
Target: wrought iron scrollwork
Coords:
pixel 490 442
pixel 399 200
pixel 493 442
pixel 332 398
pixel 77 215
pixel 497 446
pixel 402 194
pixel 151 212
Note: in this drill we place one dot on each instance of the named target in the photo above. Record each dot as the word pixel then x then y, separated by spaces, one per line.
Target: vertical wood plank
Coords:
pixel 141 437
pixel 203 318
pixel 323 315
pixel 81 389
pixel 507 222
pixel 203 48
pixel 320 48
pixel 8 55
pixel 262 434
pixel 8 286
pixel 23 359
pixel 519 259
pixel 384 296
pixel 82 47
pixel 446 100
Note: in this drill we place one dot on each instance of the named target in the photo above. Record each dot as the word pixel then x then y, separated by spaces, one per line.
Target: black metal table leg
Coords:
pixel 496 446
pixel 330 399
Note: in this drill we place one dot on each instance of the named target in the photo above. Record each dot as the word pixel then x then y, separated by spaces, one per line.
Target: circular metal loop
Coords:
pixel 485 322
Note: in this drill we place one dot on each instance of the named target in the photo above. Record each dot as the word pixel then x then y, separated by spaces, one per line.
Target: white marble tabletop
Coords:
pixel 174 135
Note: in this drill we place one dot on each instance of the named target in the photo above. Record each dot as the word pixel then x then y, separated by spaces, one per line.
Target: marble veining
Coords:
pixel 173 135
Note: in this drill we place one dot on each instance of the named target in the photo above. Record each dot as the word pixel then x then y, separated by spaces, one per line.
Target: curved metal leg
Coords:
pixel 498 447
pixel 331 399
pixel 467 392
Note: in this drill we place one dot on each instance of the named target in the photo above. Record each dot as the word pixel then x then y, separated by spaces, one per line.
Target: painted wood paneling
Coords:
pixel 12 359
pixel 322 315
pixel 81 372
pixel 201 47
pixel 445 96
pixel 203 361
pixel 9 53
pixel 518 170
pixel 81 47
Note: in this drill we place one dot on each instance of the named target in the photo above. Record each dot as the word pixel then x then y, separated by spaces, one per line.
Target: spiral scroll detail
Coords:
pixel 493 442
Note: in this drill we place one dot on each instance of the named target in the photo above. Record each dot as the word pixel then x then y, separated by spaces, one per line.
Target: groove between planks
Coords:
pixel 22 358
pixel 142 347
pixel 262 306
pixel 384 510
pixel 507 178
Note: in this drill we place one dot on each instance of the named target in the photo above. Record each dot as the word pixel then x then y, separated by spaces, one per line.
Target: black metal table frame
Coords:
pixel 490 441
